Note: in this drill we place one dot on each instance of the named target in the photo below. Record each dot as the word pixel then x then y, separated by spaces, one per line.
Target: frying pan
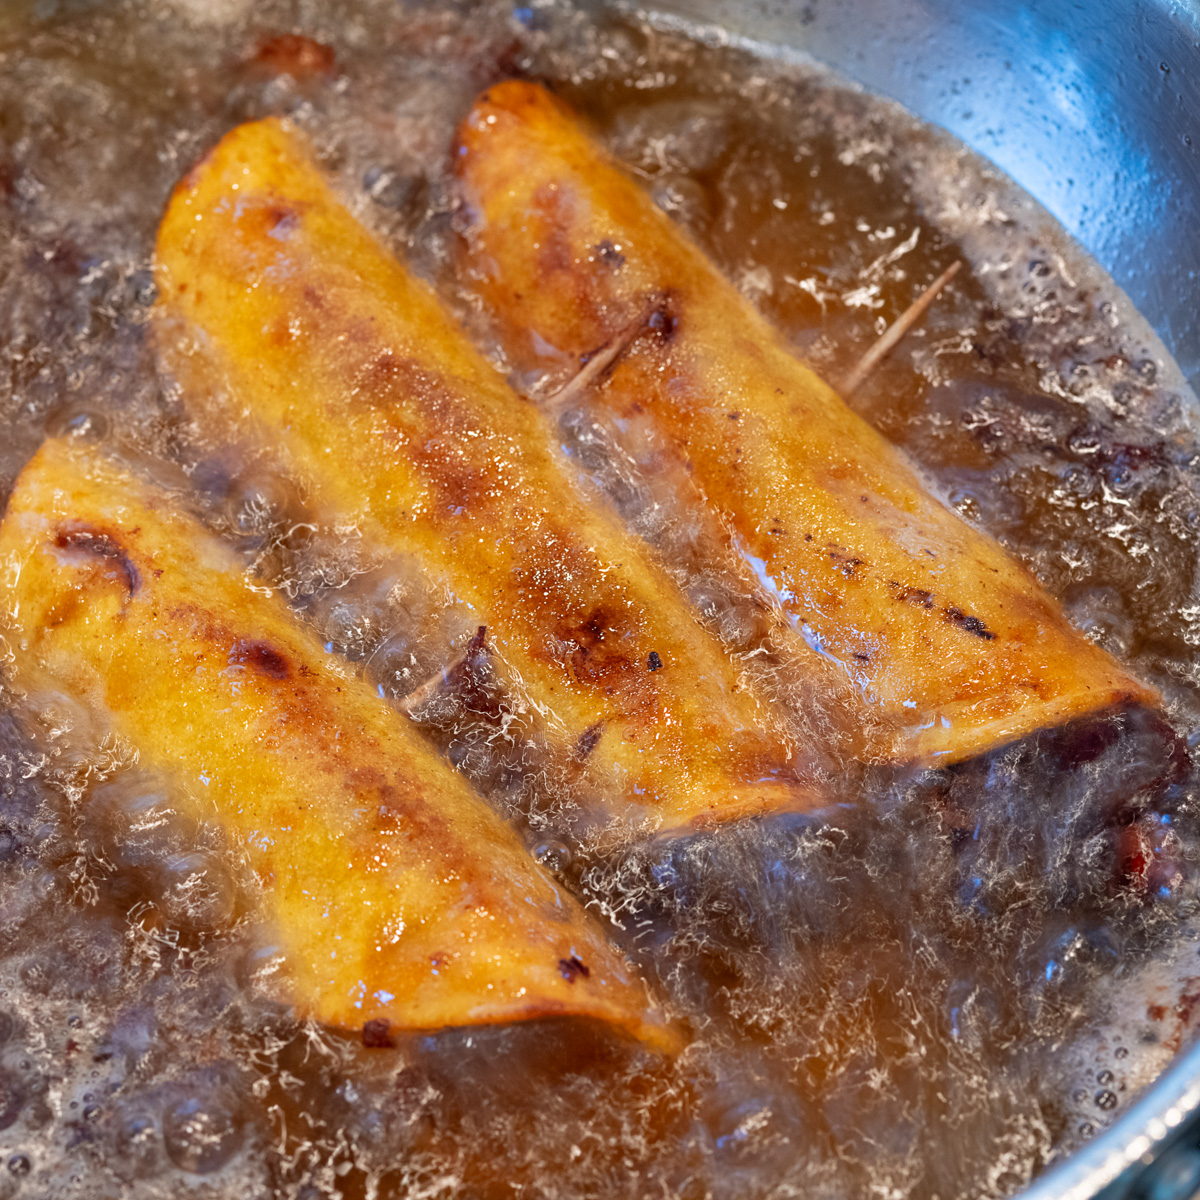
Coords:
pixel 1093 108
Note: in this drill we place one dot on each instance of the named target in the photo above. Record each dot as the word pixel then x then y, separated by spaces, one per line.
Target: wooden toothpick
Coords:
pixel 600 361
pixel 895 332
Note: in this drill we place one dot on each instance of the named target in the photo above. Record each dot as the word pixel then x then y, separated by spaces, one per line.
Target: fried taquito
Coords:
pixel 942 633
pixel 396 893
pixel 330 351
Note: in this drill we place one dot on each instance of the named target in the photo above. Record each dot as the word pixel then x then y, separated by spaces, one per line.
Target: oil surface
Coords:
pixel 932 990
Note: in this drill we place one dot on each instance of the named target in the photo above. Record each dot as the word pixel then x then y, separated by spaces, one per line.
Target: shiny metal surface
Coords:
pixel 1093 108
pixel 1133 1158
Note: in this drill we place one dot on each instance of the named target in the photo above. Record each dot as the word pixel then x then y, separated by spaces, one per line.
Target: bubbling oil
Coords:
pixel 934 987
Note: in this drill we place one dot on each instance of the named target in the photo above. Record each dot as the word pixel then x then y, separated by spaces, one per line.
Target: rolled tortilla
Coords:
pixel 396 893
pixel 940 632
pixel 332 353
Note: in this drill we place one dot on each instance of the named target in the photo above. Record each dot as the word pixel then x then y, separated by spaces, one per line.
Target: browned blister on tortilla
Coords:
pixel 335 355
pixel 397 894
pixel 943 634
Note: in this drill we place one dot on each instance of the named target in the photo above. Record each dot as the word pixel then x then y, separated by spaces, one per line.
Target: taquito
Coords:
pixel 396 893
pixel 939 631
pixel 330 351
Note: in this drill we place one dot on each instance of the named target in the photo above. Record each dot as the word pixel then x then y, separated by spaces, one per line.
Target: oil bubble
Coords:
pixel 690 136
pixel 262 966
pixel 12 1099
pixel 733 619
pixel 197 891
pixel 400 665
pixel 203 1131
pixel 553 855
pixel 79 424
pixel 258 503
pixel 137 1145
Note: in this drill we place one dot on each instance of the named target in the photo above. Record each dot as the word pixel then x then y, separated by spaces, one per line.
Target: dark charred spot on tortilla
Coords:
pixel 808 537
pixel 845 562
pixel 596 663
pixel 313 299
pixel 309 714
pixel 609 255
pixel 589 739
pixel 734 416
pixel 571 969
pixel 654 662
pixel 968 624
pixel 386 377
pixel 663 321
pixel 425 401
pixel 259 657
pixel 555 254
pixel 422 407
pixel 917 597
pixel 377 1034
pixel 862 657
pixel 295 55
pixel 590 631
pixel 86 540
pixel 401 807
pixel 282 222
